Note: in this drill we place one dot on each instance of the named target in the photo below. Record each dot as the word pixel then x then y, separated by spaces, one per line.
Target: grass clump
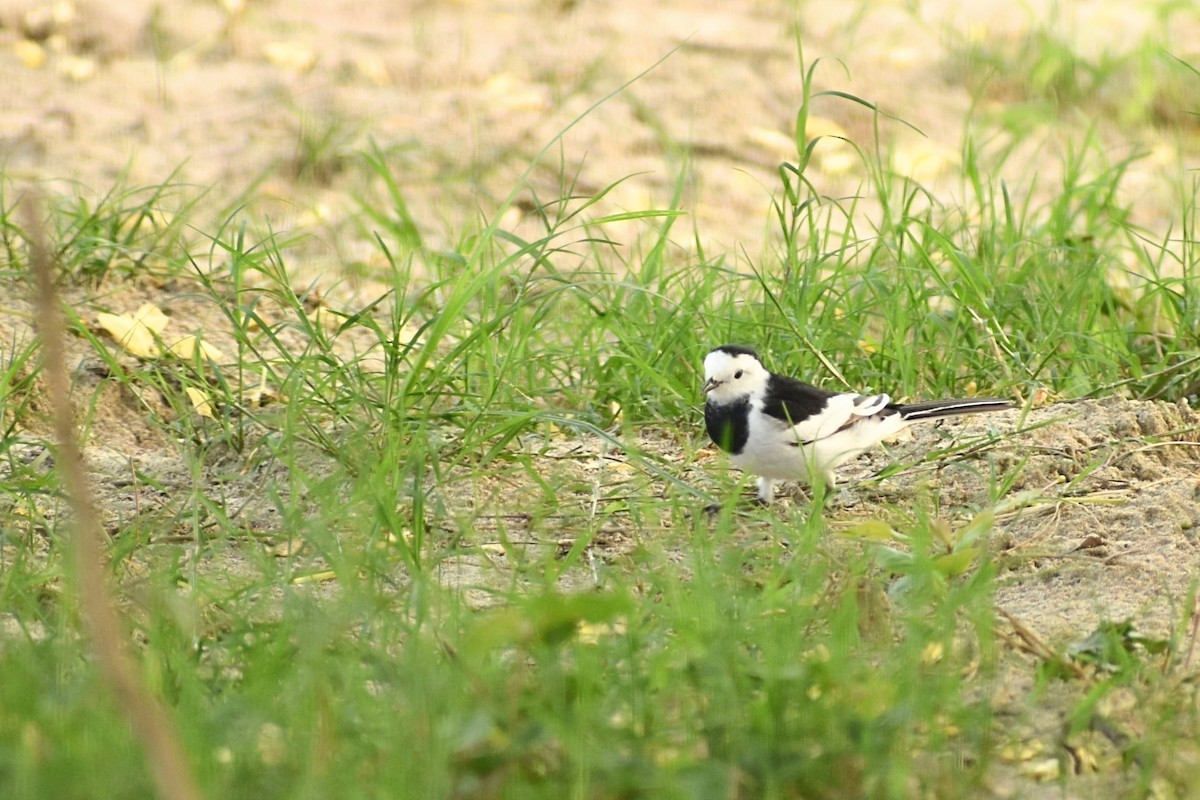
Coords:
pixel 1040 76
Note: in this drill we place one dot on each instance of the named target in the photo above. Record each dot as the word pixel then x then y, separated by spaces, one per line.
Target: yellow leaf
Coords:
pixel 136 333
pixel 776 143
pixel 374 69
pixel 933 653
pixel 31 54
pixel 288 548
pixel 515 93
pixel 924 162
pixel 838 162
pixel 200 402
pixel 186 348
pixel 152 317
pixel 259 395
pixel 326 318
pixel 292 56
pixel 1046 769
pixel 592 633
pixel 822 126
pixel 1021 751
pixel 76 68
pixel 315 577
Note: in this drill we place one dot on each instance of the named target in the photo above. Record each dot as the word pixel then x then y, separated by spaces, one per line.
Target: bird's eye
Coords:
pixel 737 375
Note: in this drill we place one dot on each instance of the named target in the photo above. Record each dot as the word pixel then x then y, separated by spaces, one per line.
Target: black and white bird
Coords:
pixel 779 428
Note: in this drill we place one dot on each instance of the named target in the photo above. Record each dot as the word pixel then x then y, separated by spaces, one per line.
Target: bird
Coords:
pixel 780 428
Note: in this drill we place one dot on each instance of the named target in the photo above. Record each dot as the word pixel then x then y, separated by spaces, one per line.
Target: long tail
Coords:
pixel 933 409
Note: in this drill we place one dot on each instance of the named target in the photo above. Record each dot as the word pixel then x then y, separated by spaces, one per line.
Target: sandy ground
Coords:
pixel 276 98
pixel 464 94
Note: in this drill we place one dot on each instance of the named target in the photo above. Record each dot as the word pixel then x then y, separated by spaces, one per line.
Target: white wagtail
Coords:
pixel 780 428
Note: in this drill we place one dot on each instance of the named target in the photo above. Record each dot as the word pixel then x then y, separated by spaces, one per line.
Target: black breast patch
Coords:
pixel 728 425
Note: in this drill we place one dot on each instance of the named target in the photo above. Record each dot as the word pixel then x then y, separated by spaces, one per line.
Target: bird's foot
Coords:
pixel 844 499
pixel 715 508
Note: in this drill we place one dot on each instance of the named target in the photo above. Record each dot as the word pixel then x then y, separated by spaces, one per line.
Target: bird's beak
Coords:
pixel 711 384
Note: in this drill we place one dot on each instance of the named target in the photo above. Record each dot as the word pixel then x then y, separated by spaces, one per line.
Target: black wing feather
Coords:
pixel 794 401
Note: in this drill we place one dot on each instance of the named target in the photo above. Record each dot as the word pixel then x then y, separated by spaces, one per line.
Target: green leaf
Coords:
pixel 894 560
pixel 873 530
pixel 956 563
pixel 980 525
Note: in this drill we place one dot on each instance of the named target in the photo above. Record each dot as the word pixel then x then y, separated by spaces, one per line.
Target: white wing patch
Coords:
pixel 868 404
pixel 842 411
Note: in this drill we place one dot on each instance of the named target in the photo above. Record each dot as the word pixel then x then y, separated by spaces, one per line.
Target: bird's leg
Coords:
pixel 844 498
pixel 766 491
pixel 838 496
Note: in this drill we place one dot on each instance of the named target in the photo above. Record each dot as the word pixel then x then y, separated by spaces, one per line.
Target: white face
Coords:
pixel 728 378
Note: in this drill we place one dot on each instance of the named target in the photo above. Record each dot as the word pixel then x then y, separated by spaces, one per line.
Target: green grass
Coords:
pixel 401 579
pixel 1044 75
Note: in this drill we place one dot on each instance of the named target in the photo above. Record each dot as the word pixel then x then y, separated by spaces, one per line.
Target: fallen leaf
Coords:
pixel 292 56
pixel 517 94
pixel 31 54
pixel 200 402
pixel 315 577
pixel 776 143
pixel 374 69
pixel 816 126
pixel 593 632
pixel 924 162
pixel 1046 769
pixel 186 348
pixel 136 333
pixel 76 68
pixel 1021 751
pixel 259 395
pixel 326 318
pixel 838 162
pixel 288 548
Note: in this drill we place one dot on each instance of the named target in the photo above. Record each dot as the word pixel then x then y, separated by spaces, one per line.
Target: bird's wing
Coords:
pixel 815 413
pixel 845 411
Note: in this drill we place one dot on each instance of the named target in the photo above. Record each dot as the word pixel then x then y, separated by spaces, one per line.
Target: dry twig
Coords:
pixel 109 637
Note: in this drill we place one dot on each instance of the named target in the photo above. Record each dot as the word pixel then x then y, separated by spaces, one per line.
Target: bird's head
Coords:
pixel 732 372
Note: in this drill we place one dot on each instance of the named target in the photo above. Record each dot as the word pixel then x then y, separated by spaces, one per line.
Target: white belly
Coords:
pixel 774 452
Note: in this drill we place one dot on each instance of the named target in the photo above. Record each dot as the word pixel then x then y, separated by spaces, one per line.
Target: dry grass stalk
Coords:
pixel 109 637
